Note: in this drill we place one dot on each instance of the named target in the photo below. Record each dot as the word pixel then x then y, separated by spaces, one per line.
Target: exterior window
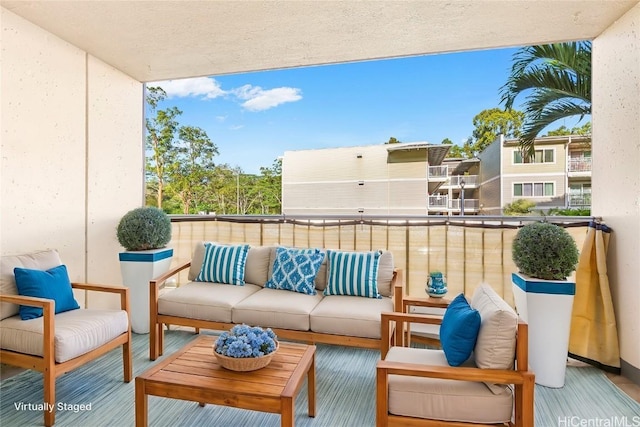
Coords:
pixel 540 156
pixel 533 189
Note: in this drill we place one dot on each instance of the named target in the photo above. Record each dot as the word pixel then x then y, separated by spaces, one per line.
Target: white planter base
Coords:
pixel 138 268
pixel 546 306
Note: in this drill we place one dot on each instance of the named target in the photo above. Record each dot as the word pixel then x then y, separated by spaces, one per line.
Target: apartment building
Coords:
pixel 558 175
pixel 385 179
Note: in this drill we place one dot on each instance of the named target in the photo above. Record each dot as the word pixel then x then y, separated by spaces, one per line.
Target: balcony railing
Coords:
pixel 439 203
pixel 470 205
pixel 580 165
pixel 579 200
pixel 467 251
pixel 438 172
pixel 469 180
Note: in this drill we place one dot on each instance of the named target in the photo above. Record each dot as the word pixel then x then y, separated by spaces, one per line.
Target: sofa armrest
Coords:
pixel 398 289
pixel 122 290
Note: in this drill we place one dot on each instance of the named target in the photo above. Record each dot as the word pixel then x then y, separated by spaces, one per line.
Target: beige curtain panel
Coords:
pixel 594 335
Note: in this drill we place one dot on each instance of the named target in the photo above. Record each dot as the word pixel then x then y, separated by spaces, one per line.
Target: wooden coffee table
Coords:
pixel 194 374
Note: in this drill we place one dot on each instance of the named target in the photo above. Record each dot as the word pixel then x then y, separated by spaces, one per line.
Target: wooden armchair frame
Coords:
pixel 520 377
pixel 47 364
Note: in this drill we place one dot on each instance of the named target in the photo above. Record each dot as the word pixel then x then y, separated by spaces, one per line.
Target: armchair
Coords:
pixel 417 387
pixel 55 344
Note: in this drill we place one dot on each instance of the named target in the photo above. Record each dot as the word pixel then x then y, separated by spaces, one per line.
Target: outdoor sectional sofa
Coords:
pixel 331 319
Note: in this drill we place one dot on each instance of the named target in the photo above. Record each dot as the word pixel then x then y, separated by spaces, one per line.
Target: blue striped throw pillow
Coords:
pixel 223 264
pixel 353 273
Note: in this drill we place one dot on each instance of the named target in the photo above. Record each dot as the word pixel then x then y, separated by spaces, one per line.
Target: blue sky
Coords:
pixel 253 118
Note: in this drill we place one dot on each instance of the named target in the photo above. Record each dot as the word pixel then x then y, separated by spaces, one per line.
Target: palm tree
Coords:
pixel 557 80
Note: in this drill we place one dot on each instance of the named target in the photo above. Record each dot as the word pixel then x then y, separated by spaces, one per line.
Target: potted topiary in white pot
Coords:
pixel 546 255
pixel 144 233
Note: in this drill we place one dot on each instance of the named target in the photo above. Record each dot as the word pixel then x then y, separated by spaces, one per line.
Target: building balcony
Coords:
pixel 470 205
pixel 580 167
pixel 470 181
pixel 580 201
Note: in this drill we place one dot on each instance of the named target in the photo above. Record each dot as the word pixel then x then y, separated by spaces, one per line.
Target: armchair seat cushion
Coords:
pixel 440 399
pixel 76 332
pixel 204 300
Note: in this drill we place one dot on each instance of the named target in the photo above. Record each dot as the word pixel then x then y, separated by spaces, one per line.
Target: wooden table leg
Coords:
pixel 141 404
pixel 287 412
pixel 311 386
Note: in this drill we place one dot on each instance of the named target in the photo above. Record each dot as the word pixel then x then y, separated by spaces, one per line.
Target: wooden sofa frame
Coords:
pixel 521 377
pixel 156 320
pixel 47 364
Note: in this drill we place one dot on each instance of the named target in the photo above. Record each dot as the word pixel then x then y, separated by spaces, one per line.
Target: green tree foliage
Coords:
pixel 192 166
pixel 519 207
pixel 491 123
pixel 393 140
pixel 563 130
pixel 455 151
pixel 182 177
pixel 569 212
pixel 556 79
pixel 161 132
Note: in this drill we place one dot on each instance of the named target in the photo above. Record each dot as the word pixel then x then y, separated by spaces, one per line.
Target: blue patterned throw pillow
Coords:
pixel 295 270
pixel 353 273
pixel 223 264
pixel 52 284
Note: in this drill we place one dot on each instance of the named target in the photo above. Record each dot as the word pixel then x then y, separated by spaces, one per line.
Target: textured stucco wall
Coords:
pixel 615 176
pixel 72 156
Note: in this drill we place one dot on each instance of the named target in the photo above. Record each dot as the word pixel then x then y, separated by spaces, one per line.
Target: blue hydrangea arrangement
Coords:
pixel 246 341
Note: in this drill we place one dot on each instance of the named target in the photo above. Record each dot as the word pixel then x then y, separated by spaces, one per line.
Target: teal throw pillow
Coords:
pixel 295 270
pixel 459 330
pixel 223 264
pixel 353 273
pixel 51 284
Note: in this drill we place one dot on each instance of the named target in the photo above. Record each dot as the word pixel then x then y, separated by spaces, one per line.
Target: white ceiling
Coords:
pixel 159 40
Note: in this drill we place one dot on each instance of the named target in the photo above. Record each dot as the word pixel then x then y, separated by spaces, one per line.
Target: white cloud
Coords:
pixel 258 99
pixel 205 87
pixel 236 127
pixel 221 118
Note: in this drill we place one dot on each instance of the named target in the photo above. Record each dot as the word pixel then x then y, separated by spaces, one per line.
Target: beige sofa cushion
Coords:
pixel 204 300
pixel 41 260
pixel 449 400
pixel 352 316
pixel 256 266
pixel 276 308
pixel 76 332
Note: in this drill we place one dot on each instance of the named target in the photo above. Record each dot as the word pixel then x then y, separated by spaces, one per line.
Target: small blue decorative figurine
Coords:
pixel 436 285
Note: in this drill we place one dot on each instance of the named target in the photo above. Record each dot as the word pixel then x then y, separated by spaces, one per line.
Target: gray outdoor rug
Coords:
pixel 345 388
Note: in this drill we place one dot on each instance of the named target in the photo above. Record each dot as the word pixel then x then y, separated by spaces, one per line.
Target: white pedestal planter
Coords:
pixel 546 306
pixel 138 268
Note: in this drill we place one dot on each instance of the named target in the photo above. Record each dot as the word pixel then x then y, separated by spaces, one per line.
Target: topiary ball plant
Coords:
pixel 144 228
pixel 545 251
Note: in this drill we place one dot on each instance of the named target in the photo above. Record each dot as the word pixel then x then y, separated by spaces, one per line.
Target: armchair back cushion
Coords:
pixel 496 344
pixel 41 260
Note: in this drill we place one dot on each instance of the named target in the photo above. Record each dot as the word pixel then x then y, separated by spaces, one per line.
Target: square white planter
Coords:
pixel 546 305
pixel 138 268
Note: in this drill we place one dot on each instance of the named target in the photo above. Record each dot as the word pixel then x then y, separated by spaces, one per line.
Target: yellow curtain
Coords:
pixel 594 336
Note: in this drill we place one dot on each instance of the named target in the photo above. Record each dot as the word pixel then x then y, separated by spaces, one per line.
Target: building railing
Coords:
pixel 438 172
pixel 440 202
pixel 468 251
pixel 580 165
pixel 469 204
pixel 469 180
pixel 582 200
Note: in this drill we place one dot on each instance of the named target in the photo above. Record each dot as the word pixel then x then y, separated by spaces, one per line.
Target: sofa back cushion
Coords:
pixel 256 265
pixel 41 260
